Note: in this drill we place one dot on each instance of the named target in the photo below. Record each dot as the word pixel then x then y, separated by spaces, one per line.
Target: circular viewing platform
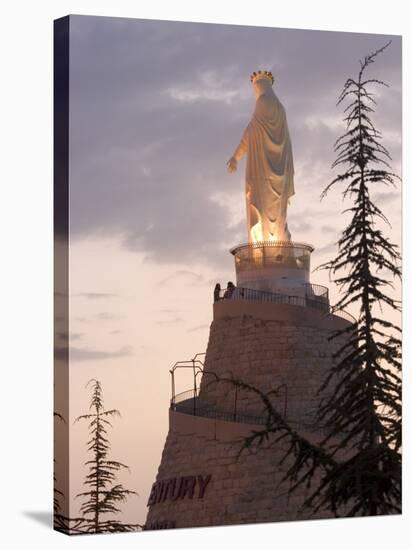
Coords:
pixel 272 265
pixel 278 254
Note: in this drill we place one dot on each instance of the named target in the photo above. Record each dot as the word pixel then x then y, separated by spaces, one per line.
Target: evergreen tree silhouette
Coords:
pixel 104 494
pixel 366 402
pixel 356 469
pixel 59 520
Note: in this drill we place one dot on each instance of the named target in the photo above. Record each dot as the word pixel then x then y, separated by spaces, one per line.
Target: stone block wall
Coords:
pixel 273 347
pixel 201 481
pixel 239 489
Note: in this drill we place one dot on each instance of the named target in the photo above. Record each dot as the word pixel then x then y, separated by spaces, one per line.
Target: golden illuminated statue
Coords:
pixel 269 166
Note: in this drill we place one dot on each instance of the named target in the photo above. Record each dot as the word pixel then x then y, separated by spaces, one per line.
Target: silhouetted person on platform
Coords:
pixel 216 293
pixel 229 290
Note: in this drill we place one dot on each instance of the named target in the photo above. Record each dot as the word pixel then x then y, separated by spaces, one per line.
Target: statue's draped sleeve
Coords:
pixel 243 145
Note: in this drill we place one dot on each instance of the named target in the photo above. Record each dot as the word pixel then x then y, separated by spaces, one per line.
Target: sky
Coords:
pixel 156 110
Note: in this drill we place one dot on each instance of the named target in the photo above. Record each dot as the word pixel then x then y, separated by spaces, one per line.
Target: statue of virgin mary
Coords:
pixel 269 165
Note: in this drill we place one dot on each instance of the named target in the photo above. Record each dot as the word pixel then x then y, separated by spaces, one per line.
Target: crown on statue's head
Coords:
pixel 259 75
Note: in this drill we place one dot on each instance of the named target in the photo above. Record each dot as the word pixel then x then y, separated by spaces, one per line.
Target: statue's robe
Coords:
pixel 269 168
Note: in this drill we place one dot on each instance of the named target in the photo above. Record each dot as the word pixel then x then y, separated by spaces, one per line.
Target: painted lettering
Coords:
pixel 203 483
pixel 175 492
pixel 178 488
pixel 187 486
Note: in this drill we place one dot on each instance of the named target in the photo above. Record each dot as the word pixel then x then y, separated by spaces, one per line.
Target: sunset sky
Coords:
pixel 156 110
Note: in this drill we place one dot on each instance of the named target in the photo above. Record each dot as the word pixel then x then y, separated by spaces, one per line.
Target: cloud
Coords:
pixel 327 249
pixel 173 321
pixel 86 354
pixel 328 229
pixel 107 316
pixel 95 295
pixel 102 316
pixel 300 226
pixel 157 108
pixel 386 198
pixel 187 277
pixel 198 327
pixel 209 86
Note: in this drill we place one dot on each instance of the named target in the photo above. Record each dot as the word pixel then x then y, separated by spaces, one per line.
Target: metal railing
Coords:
pixel 195 365
pixel 272 244
pixel 343 315
pixel 273 255
pixel 188 402
pixel 316 290
pixel 193 406
pixel 318 299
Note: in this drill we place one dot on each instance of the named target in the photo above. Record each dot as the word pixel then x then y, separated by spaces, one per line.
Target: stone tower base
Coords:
pixel 201 481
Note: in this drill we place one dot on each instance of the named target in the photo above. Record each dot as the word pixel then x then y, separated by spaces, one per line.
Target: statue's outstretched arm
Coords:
pixel 242 147
pixel 239 152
